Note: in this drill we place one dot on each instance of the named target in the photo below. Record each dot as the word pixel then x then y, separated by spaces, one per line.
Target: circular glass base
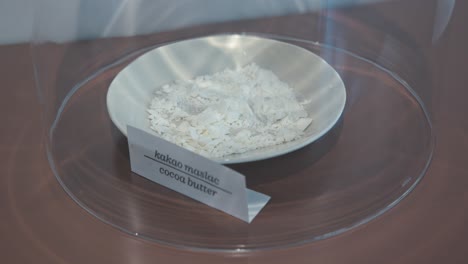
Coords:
pixel 370 160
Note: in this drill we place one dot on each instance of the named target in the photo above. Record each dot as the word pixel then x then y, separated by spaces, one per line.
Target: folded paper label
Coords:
pixel 193 175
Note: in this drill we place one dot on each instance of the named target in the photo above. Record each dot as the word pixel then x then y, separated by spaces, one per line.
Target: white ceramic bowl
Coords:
pixel 313 79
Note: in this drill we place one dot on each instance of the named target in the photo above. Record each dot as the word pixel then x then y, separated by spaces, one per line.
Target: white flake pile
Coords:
pixel 230 112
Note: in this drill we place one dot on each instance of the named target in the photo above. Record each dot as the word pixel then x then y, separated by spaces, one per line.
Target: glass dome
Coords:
pixel 370 157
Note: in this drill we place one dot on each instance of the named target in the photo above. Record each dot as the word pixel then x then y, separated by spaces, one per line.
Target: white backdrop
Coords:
pixel 64 20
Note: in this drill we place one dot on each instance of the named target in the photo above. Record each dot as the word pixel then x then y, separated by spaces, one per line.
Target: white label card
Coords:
pixel 193 175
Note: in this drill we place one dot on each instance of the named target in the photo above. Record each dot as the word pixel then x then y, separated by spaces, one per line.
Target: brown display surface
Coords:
pixel 41 224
